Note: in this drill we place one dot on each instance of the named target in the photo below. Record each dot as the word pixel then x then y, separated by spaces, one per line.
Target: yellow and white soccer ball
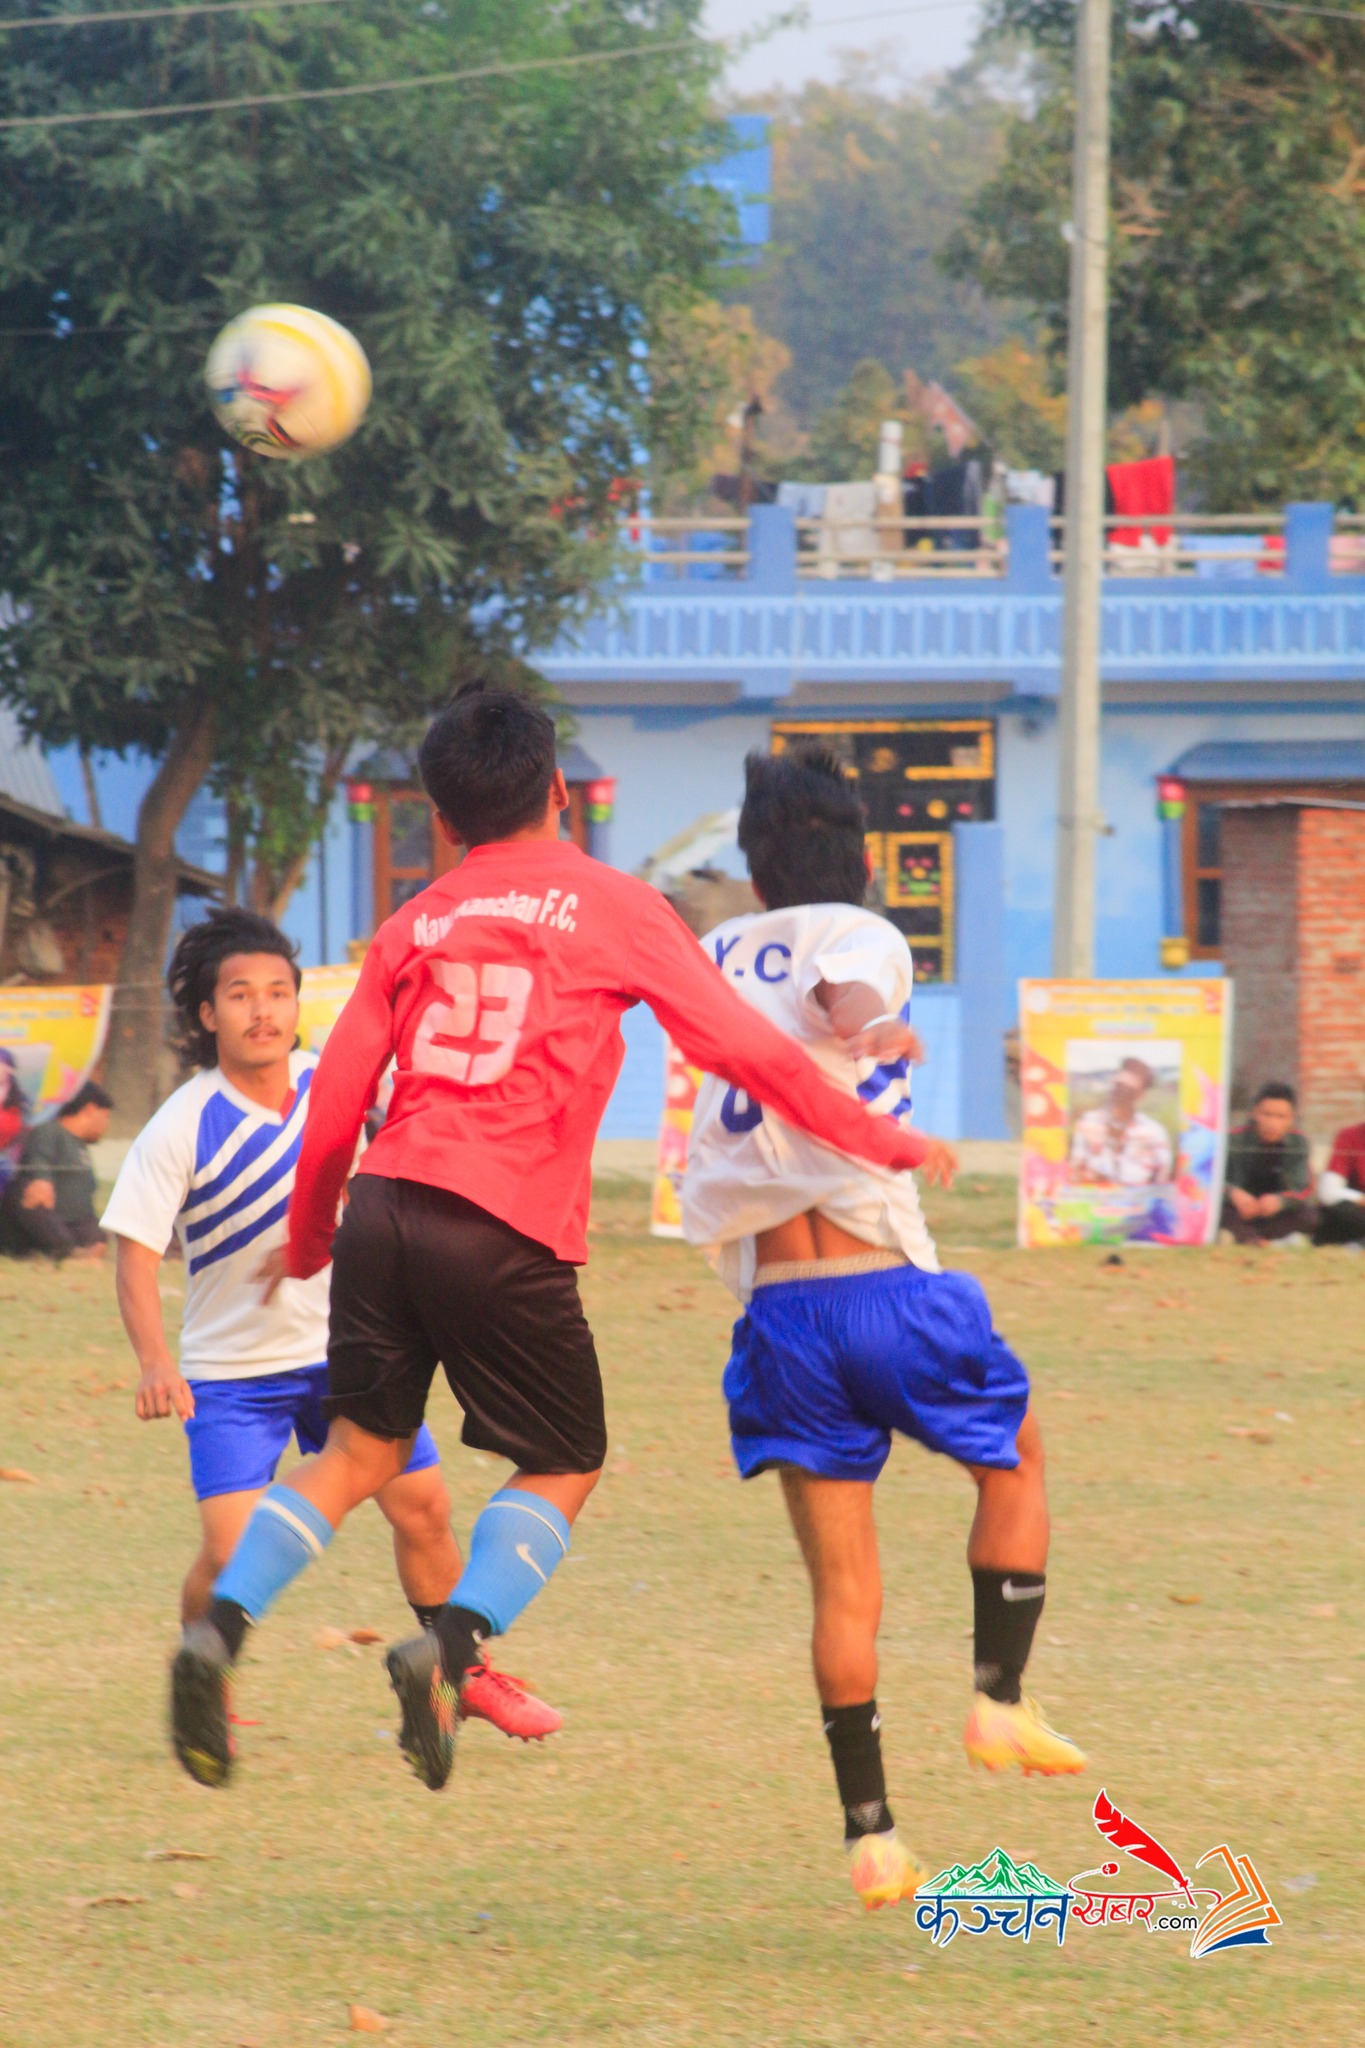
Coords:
pixel 288 382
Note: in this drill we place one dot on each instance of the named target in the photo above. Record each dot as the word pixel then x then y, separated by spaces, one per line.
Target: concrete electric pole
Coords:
pixel 1078 815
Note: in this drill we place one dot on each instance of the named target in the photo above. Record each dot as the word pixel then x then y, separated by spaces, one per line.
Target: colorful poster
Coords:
pixel 681 1083
pixel 1124 1087
pixel 50 1039
pixel 322 998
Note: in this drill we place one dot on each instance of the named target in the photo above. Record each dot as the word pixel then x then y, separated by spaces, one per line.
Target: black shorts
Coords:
pixel 422 1277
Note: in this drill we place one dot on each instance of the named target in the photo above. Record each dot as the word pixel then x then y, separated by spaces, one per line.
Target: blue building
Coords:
pixel 1227 674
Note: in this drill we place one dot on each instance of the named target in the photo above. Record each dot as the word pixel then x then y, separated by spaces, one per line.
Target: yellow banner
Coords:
pixel 681 1083
pixel 322 998
pixel 1124 1088
pixel 50 1039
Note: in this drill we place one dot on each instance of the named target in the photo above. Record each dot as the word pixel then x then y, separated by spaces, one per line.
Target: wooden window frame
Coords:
pixel 1197 793
pixel 444 856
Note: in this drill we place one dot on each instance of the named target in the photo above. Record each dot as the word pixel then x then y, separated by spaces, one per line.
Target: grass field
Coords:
pixel 668 1869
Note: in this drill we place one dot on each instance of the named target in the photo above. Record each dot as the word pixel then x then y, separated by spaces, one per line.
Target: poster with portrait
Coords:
pixel 50 1039
pixel 1124 1089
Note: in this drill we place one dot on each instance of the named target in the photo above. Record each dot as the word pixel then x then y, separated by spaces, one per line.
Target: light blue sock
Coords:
pixel 516 1544
pixel 285 1533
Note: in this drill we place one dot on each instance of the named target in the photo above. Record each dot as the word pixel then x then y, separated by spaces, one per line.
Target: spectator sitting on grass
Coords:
pixel 1269 1180
pixel 49 1206
pixel 1341 1190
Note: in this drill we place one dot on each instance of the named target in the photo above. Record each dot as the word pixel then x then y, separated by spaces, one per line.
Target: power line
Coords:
pixel 196 7
pixel 155 13
pixel 504 69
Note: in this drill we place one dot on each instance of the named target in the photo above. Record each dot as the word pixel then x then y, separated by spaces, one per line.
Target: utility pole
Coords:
pixel 1078 819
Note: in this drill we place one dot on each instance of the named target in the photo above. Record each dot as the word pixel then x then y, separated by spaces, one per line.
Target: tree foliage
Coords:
pixel 867 187
pixel 507 251
pixel 1009 393
pixel 1238 265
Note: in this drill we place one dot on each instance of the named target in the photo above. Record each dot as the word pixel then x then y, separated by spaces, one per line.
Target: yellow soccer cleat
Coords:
pixel 1000 1736
pixel 881 1871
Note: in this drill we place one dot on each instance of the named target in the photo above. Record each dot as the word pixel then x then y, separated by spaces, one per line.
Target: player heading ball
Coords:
pixel 497 993
pixel 852 1332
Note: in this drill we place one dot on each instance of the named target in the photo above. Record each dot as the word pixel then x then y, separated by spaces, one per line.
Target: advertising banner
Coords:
pixel 1124 1088
pixel 50 1039
pixel 322 998
pixel 681 1083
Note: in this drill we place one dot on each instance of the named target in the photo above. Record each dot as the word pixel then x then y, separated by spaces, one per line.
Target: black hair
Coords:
pixel 1276 1091
pixel 802 828
pixel 1139 1068
pixel 487 762
pixel 88 1096
pixel 192 976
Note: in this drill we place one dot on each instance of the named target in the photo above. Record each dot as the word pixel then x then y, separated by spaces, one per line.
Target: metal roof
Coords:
pixel 24 773
pixel 1272 761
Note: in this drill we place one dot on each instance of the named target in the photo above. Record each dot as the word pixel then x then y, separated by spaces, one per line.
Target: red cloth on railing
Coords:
pixel 1145 487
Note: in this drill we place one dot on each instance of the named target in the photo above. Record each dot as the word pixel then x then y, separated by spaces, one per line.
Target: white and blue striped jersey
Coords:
pixel 747 1169
pixel 217 1170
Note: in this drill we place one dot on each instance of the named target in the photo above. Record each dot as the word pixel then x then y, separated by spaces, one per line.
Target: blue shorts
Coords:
pixel 240 1429
pixel 822 1371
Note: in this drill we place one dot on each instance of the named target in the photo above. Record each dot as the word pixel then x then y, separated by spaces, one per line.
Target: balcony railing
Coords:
pixel 975 547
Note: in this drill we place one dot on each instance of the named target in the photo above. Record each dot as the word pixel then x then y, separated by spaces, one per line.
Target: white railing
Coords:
pixel 890 550
pixel 974 546
pixel 673 543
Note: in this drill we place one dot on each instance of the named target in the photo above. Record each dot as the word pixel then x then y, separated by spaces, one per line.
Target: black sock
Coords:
pixel 856 1747
pixel 1007 1605
pixel 427 1616
pixel 459 1631
pixel 231 1622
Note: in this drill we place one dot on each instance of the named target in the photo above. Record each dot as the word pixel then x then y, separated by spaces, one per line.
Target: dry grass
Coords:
pixel 668 1869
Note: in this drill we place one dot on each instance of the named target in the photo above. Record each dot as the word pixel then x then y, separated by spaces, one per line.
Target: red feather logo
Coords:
pixel 1127 1835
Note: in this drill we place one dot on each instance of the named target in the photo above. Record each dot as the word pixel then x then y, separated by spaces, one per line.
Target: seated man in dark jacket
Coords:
pixel 49 1206
pixel 1268 1184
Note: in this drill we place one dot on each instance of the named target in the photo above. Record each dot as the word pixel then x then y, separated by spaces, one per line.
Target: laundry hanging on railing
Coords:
pixel 1142 488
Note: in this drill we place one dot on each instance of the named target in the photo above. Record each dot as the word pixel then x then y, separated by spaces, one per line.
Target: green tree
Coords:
pixel 867 187
pixel 1009 394
pixel 843 442
pixel 506 251
pixel 1238 269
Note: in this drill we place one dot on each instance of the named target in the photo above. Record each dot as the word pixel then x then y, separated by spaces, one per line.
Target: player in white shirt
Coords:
pixel 851 1330
pixel 215 1168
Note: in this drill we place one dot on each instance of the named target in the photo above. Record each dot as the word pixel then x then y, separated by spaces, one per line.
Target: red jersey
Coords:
pixel 1348 1157
pixel 498 992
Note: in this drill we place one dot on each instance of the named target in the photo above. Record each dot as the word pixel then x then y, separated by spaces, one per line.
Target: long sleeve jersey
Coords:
pixel 498 993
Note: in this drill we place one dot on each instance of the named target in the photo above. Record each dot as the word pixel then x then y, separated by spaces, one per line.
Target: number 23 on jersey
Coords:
pixel 483 1005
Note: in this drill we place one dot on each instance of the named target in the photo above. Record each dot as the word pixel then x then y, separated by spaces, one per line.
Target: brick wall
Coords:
pixel 1331 969
pixel 1260 911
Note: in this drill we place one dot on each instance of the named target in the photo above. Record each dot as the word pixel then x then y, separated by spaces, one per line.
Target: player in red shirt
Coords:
pixel 497 993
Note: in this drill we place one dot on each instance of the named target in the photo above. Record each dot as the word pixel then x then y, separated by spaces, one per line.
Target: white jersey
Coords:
pixel 748 1170
pixel 218 1170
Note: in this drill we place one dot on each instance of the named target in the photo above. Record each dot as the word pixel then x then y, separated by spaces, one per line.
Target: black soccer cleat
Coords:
pixel 199 1705
pixel 429 1702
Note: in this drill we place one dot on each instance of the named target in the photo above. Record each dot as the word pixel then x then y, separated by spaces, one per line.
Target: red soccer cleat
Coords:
pixel 488 1694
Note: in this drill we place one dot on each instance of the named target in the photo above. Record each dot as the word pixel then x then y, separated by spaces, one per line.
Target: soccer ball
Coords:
pixel 287 382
